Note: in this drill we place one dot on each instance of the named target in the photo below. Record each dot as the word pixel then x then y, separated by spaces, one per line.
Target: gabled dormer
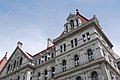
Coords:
pixel 18 60
pixel 74 21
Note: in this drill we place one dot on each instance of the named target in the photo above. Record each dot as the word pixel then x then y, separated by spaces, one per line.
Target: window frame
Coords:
pixel 76 59
pixel 64 65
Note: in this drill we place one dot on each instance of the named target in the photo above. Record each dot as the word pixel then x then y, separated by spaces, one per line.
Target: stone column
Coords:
pixel 56 68
pixel 42 77
pixel 60 67
pixel 72 62
pixel 75 24
pixel 87 76
pixel 105 72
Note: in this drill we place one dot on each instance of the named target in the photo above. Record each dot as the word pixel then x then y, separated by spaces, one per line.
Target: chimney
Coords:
pixel 49 42
pixel 19 44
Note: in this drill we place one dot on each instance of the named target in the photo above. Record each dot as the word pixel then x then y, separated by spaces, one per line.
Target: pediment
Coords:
pixel 14 62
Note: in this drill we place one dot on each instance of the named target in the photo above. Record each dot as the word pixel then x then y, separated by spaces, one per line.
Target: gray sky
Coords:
pixel 33 21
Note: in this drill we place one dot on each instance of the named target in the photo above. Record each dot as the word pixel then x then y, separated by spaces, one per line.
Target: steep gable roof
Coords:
pixel 3 61
pixel 29 58
pixel 77 14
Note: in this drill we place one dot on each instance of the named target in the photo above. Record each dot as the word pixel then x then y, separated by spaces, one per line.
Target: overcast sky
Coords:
pixel 33 21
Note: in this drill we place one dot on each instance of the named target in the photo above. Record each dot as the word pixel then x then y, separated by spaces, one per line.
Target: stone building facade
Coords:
pixel 81 52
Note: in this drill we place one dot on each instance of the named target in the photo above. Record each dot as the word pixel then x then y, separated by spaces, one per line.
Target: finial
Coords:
pixel 77 12
pixel 5 55
pixel 19 44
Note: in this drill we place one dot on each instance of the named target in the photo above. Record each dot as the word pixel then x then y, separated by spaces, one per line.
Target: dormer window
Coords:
pixel 66 28
pixel 48 56
pixel 45 58
pixel 42 59
pixel 52 55
pixel 39 60
pixel 77 22
pixel 72 24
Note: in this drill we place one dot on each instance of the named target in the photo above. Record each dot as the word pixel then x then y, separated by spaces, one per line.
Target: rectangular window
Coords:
pixel 61 48
pixel 39 61
pixel 52 55
pixel 45 58
pixel 42 59
pixel 64 47
pixel 48 56
pixel 72 44
pixel 76 43
pixel 84 38
pixel 88 36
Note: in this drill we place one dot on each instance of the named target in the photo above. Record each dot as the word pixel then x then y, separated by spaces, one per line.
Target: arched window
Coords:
pixel 78 78
pixel 53 71
pixel 76 58
pixel 21 59
pixel 14 64
pixel 90 55
pixel 39 74
pixel 94 75
pixel 23 77
pixel 18 78
pixel 8 67
pixel 64 65
pixel 45 74
pixel 72 24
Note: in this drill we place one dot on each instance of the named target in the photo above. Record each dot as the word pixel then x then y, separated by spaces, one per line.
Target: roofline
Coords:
pixel 43 50
pixel 84 26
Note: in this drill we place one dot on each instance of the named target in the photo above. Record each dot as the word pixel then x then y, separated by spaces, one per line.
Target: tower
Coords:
pixel 83 52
